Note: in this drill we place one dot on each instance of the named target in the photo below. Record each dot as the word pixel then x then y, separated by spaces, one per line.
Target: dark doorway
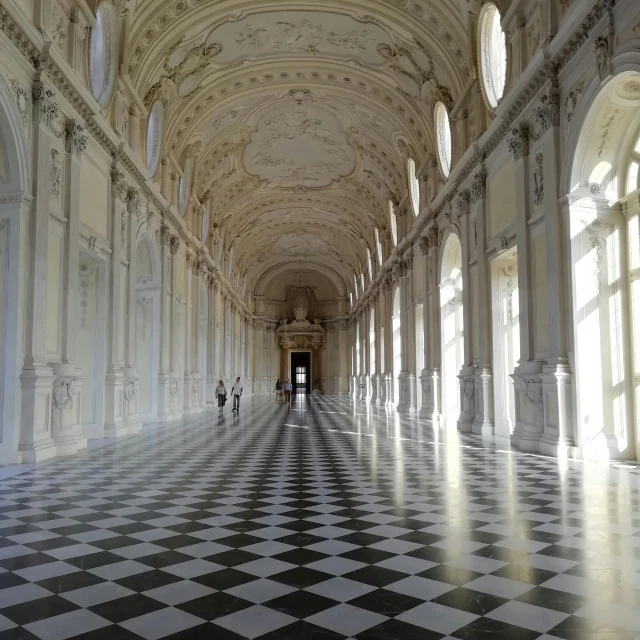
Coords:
pixel 301 371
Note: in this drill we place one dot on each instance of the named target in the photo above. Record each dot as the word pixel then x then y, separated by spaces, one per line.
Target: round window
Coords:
pixel 443 137
pixel 103 54
pixel 414 186
pixel 154 137
pixel 492 54
pixel 185 188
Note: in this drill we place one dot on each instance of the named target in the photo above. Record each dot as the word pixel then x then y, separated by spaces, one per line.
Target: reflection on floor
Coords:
pixel 326 520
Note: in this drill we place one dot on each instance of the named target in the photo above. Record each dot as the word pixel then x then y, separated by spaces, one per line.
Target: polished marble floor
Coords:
pixel 328 520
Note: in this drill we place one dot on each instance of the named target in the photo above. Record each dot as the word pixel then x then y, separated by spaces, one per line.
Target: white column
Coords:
pixel 166 294
pixel 556 374
pixel 407 385
pixel 114 425
pixel 475 204
pixel 212 342
pixel 527 383
pixel 37 377
pixel 191 376
pixel 67 389
pixel 467 371
pixel 131 419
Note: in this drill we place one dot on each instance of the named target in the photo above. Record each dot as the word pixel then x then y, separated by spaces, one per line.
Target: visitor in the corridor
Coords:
pixel 236 392
pixel 287 391
pixel 221 392
pixel 278 391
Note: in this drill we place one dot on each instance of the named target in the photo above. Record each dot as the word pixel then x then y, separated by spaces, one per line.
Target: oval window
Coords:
pixel 154 137
pixel 492 54
pixel 103 54
pixel 443 138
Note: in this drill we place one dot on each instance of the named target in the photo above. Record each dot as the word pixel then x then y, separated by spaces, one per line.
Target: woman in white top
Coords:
pixel 221 393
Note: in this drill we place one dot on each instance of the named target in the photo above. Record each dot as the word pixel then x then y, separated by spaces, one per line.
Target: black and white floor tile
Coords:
pixel 329 520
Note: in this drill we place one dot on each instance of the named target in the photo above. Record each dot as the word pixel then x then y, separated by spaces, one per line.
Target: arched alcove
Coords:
pixel 15 183
pixel 604 236
pixel 452 329
pixel 147 318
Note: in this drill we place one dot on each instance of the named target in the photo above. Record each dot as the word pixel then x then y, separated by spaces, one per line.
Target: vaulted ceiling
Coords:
pixel 299 116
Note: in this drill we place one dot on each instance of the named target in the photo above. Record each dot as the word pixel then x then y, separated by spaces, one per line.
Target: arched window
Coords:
pixel 103 54
pixel 633 173
pixel 355 286
pixel 492 54
pixel 184 190
pixel 414 186
pixel 393 223
pixel 204 231
pixel 369 264
pixel 378 246
pixel 443 137
pixel 154 137
pixel 362 280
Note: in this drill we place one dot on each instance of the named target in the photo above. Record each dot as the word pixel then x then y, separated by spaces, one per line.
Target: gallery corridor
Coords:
pixel 331 519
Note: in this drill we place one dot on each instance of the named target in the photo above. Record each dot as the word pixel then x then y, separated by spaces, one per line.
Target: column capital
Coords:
pixel 463 202
pixel 44 106
pixel 119 184
pixel 174 245
pixel 478 187
pixel 75 138
pixel 133 202
pixel 424 245
pixel 519 142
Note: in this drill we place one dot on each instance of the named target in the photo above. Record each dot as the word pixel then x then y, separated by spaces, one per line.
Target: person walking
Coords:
pixel 236 392
pixel 221 393
pixel 278 391
pixel 287 391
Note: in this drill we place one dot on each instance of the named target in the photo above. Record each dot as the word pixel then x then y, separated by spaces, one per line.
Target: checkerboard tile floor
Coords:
pixel 326 521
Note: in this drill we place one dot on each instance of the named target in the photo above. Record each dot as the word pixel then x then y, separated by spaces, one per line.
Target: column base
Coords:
pixel 66 409
pixel 36 442
pixel 192 387
pixel 407 391
pixel 467 399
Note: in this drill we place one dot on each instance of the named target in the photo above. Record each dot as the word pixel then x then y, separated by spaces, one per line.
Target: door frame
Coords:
pixel 290 373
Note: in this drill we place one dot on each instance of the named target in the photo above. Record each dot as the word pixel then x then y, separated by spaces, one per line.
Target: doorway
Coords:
pixel 301 372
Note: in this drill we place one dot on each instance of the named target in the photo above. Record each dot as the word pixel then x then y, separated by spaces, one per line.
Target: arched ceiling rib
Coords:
pixel 300 117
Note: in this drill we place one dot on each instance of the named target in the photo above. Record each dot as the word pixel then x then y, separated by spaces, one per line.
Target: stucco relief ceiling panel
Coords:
pixel 296 145
pixel 299 32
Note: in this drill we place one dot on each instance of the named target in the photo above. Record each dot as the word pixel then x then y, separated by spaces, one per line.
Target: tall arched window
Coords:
pixel 393 224
pixel 414 186
pixel 184 190
pixel 492 54
pixel 443 137
pixel 355 286
pixel 633 173
pixel 369 264
pixel 378 246
pixel 362 280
